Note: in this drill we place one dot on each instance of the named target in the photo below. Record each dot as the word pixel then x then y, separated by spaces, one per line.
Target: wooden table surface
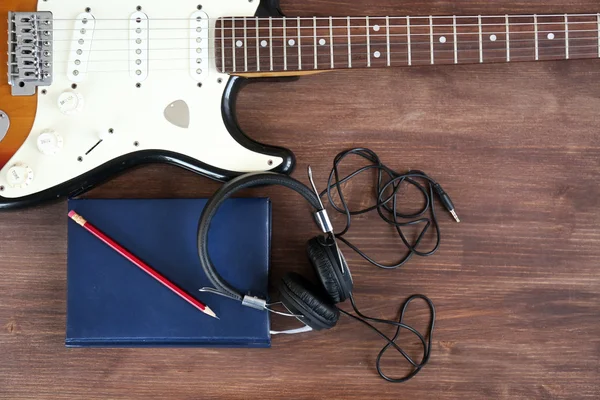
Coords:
pixel 516 284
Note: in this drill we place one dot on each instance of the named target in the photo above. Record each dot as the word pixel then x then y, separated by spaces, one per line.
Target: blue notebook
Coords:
pixel 113 303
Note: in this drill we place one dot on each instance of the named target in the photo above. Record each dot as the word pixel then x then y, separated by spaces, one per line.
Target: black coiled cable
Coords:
pixel 387 186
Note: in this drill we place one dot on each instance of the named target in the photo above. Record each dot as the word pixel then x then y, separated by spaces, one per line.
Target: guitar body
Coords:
pixel 100 86
pixel 106 115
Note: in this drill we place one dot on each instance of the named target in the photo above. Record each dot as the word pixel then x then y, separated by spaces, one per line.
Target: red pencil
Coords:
pixel 145 267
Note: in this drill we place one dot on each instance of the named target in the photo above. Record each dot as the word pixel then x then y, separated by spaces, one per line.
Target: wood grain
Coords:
pixel 516 284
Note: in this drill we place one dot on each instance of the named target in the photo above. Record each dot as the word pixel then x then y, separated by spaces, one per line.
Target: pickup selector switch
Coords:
pixel 70 103
pixel 19 176
pixel 49 142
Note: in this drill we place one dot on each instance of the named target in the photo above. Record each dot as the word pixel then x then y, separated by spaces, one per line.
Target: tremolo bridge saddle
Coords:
pixel 29 51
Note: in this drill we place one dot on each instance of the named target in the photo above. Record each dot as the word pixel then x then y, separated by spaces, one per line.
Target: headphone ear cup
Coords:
pixel 326 264
pixel 301 298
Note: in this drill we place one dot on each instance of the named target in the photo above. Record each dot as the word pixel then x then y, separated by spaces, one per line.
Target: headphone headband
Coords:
pixel 211 207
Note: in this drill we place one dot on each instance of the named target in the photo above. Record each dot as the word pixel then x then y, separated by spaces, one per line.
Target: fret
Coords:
pixel 257 45
pixel 378 41
pixel 598 32
pixel 480 39
pixel 507 39
pixel 583 36
pixel 387 38
pixel 279 44
pixel 331 53
pixel 467 42
pixel 455 39
pixel 493 39
pixel 566 36
pixel 442 40
pixel 315 45
pixel 431 39
pixel 537 42
pixel 271 43
pixel 368 29
pixel 409 53
pixel 290 45
pixel 245 45
pixel 265 43
pixel 233 42
pixel 285 45
pixel 550 37
pixel 299 45
pixel 349 44
pixel 228 47
pixel 522 41
pixel 223 66
pixel 237 44
pixel 420 32
pixel 250 44
pixel 358 45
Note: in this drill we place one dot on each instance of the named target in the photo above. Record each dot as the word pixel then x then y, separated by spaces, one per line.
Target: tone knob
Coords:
pixel 70 103
pixel 49 142
pixel 19 175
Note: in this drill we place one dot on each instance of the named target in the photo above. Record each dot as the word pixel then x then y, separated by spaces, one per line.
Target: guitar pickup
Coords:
pixel 138 46
pixel 30 47
pixel 81 45
pixel 199 46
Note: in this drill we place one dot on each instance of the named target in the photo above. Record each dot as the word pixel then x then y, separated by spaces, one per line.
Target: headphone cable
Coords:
pixel 425 340
pixel 388 180
pixel 387 187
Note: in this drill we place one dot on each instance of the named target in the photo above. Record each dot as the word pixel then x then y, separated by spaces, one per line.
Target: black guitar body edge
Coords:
pixel 105 172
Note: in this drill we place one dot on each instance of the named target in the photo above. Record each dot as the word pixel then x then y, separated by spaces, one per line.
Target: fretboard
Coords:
pixel 321 43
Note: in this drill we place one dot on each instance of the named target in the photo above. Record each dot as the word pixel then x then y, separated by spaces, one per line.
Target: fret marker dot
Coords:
pixel 291 42
pixel 322 42
pixel 493 38
pixel 239 43
pixel 377 54
pixel 376 28
pixel 442 39
pixel 550 36
pixel 263 43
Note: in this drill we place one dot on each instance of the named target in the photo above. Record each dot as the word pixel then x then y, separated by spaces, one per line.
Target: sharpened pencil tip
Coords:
pixel 210 312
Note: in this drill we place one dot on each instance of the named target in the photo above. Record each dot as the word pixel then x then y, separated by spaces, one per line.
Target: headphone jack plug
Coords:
pixel 446 201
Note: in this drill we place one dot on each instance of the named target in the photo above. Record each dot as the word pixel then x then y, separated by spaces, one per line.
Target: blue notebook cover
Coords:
pixel 113 303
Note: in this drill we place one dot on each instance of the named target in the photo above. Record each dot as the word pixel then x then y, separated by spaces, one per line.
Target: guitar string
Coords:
pixel 326 66
pixel 228 49
pixel 253 59
pixel 345 36
pixel 326 18
pixel 327 27
pixel 228 41
pixel 358 57
pixel 337 46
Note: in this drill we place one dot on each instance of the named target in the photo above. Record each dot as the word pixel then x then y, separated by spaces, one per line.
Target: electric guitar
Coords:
pixel 95 87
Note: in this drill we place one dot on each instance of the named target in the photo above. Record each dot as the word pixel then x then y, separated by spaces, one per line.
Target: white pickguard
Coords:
pixel 112 100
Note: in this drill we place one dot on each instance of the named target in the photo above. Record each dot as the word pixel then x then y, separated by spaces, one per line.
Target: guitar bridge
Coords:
pixel 29 51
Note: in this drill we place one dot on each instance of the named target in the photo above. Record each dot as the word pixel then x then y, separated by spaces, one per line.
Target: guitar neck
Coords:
pixel 323 43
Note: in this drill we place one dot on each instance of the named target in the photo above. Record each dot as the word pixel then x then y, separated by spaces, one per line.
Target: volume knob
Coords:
pixel 19 175
pixel 70 103
pixel 49 142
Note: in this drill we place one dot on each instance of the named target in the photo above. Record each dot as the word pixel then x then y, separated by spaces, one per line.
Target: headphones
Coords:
pixel 316 306
pixel 313 306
